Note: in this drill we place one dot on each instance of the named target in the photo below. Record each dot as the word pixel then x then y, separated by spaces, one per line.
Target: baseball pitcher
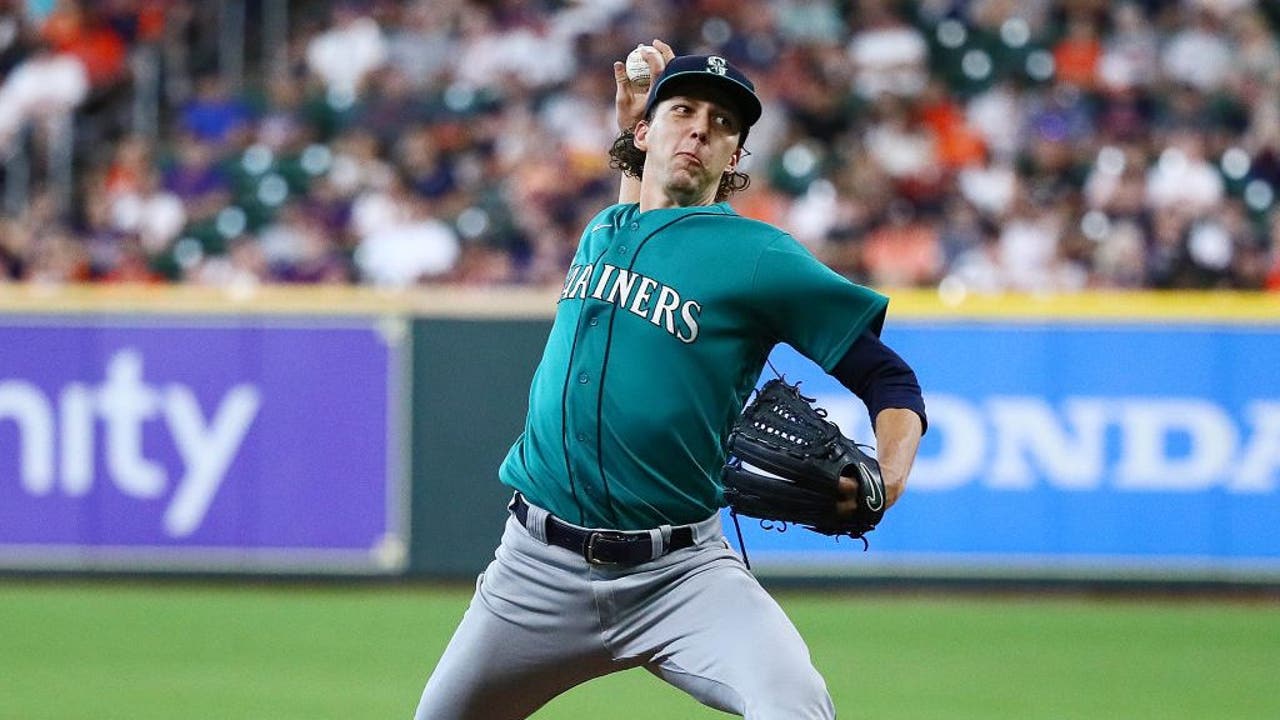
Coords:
pixel 613 556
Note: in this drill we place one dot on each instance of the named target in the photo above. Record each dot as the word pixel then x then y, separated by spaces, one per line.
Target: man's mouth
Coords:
pixel 690 156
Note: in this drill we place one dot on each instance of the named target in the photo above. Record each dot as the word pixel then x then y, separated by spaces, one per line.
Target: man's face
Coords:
pixel 690 142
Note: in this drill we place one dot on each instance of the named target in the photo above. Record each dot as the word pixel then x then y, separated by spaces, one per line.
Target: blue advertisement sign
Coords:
pixel 1070 448
pixel 193 444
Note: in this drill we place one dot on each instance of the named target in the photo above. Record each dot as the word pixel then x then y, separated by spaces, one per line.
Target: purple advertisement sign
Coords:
pixel 200 443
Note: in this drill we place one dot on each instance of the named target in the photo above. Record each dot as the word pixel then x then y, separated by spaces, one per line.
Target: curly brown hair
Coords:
pixel 625 156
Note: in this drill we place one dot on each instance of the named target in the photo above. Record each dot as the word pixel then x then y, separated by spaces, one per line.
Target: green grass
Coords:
pixel 110 650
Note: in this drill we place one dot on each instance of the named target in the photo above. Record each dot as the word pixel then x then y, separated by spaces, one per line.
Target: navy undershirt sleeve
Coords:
pixel 880 378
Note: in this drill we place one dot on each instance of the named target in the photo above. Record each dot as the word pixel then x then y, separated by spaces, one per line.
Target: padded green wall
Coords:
pixel 470 395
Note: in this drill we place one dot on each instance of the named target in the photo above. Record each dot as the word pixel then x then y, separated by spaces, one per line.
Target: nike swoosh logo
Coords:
pixel 875 500
pixel 601 227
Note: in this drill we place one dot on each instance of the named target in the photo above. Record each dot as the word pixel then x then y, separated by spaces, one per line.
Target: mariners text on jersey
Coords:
pixel 659 304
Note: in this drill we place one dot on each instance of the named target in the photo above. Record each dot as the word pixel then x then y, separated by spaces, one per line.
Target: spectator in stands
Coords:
pixel 214 115
pixel 42 91
pixel 400 241
pixel 1199 53
pixel 889 56
pixel 343 55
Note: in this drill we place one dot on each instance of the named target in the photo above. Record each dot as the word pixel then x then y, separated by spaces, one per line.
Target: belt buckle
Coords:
pixel 589 549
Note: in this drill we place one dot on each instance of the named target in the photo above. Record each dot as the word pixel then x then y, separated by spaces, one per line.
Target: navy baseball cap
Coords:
pixel 713 70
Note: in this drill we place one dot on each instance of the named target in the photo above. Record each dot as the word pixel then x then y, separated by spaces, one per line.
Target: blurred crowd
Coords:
pixel 971 145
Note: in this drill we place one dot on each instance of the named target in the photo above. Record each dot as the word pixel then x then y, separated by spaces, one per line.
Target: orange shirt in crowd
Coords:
pixel 955 143
pixel 1076 61
pixel 903 255
pixel 102 51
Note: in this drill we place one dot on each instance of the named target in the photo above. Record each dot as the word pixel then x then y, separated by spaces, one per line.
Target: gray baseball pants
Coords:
pixel 543 620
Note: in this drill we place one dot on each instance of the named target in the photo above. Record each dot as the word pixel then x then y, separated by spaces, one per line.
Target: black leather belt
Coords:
pixel 605 547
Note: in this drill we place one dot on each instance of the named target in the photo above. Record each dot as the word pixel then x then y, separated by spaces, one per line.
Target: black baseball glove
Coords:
pixel 804 454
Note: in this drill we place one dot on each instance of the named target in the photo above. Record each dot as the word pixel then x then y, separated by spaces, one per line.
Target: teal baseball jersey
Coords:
pixel 663 325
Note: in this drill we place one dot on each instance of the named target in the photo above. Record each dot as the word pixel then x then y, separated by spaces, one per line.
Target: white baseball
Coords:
pixel 637 68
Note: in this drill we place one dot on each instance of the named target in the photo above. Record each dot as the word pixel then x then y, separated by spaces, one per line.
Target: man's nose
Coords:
pixel 701 127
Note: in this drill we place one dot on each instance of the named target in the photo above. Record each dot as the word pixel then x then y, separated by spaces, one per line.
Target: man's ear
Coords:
pixel 734 160
pixel 641 139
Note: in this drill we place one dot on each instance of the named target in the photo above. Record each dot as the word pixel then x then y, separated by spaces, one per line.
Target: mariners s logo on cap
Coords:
pixel 716 64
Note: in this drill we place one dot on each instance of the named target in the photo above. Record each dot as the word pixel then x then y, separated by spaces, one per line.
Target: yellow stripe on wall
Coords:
pixel 335 300
pixel 1198 306
pixel 540 302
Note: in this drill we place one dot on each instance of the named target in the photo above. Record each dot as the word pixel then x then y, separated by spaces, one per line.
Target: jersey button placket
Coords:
pixel 584 421
pixel 622 246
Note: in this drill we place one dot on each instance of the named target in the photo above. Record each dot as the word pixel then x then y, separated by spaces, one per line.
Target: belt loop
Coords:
pixel 535 521
pixel 659 541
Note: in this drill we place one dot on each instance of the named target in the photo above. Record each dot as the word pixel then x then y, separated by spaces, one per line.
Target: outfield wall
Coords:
pixel 347 431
